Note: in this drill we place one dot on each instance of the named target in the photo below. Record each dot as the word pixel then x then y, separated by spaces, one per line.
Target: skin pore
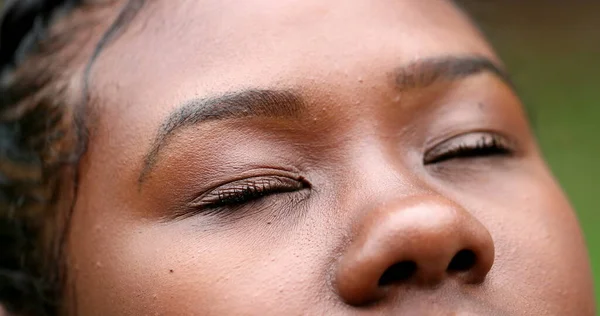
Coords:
pixel 315 158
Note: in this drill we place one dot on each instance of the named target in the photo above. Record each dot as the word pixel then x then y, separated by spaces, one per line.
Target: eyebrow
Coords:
pixel 290 104
pixel 242 104
pixel 424 73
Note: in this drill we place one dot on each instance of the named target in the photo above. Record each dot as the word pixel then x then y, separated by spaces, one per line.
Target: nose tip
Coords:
pixel 418 241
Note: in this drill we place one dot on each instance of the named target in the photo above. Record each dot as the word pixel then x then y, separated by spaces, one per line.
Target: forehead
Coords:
pixel 177 50
pixel 210 46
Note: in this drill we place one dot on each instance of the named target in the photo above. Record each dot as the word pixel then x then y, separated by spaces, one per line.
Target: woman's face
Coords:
pixel 318 158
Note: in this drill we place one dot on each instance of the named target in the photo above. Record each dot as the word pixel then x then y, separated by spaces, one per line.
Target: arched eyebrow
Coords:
pixel 424 73
pixel 239 104
pixel 290 104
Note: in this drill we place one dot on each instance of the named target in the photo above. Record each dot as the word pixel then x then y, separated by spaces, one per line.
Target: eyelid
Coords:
pixel 259 185
pixel 471 140
pixel 201 204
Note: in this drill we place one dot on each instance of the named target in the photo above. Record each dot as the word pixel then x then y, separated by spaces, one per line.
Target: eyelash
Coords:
pixel 485 145
pixel 242 192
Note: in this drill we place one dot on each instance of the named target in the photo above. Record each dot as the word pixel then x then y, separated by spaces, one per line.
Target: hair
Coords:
pixel 43 134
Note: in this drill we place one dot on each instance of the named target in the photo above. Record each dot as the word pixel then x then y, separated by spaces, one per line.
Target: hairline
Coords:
pixel 82 113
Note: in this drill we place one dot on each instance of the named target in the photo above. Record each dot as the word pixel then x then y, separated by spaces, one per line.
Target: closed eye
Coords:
pixel 247 190
pixel 469 146
pixel 230 197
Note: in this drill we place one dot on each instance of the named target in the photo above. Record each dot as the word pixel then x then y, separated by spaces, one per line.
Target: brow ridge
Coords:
pixel 240 104
pixel 290 104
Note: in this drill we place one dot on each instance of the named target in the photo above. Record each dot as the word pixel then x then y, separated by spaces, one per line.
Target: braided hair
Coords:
pixel 42 137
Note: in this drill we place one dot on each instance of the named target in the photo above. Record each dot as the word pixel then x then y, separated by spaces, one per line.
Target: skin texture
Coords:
pixel 364 225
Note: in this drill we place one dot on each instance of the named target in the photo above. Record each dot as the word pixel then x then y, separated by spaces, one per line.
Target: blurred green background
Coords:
pixel 552 48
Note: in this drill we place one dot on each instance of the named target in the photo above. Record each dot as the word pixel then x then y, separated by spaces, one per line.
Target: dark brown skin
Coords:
pixel 355 167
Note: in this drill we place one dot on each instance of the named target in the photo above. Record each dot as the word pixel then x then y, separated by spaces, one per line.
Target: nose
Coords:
pixel 419 241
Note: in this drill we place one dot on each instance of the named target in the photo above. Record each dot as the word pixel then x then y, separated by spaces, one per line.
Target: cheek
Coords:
pixel 541 258
pixel 182 269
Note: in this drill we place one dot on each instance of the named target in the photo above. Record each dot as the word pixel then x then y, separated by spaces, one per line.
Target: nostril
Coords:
pixel 399 272
pixel 464 260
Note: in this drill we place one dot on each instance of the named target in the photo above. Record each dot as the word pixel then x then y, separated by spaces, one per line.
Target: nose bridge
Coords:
pixel 419 240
